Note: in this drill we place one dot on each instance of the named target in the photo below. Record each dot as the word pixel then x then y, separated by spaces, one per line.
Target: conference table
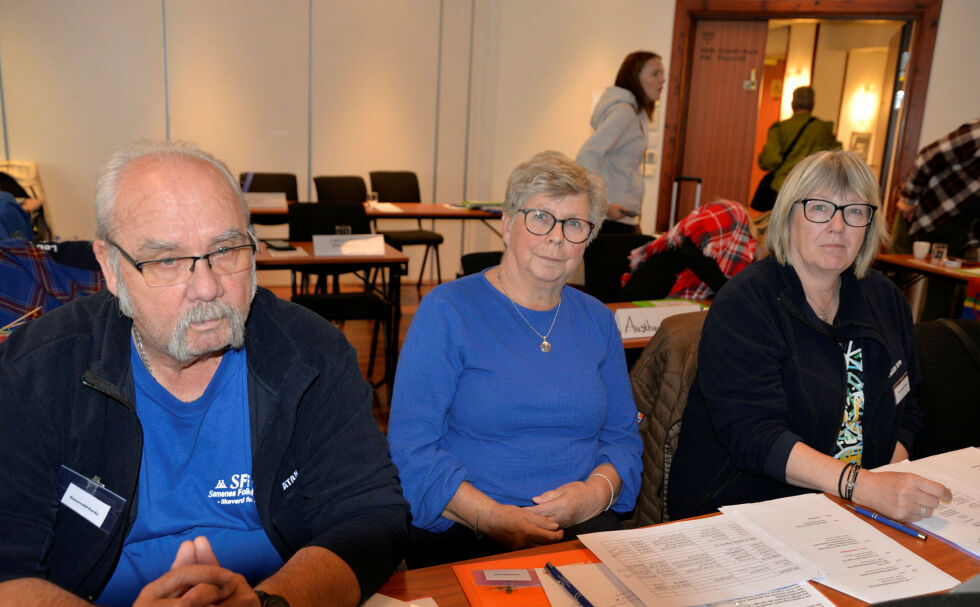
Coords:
pixel 304 259
pixel 956 278
pixel 440 583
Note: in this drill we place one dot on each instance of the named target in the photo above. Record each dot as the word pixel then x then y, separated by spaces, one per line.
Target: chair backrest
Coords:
pixel 396 186
pixel 950 390
pixel 9 184
pixel 340 188
pixel 661 379
pixel 307 219
pixel 270 182
pixel 471 263
pixel 606 259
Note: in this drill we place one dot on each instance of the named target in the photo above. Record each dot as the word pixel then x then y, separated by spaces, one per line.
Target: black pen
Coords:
pixel 887 521
pixel 564 583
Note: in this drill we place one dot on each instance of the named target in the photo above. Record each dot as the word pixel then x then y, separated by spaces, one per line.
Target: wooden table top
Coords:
pixel 407 210
pixel 440 583
pixel 923 266
pixel 264 260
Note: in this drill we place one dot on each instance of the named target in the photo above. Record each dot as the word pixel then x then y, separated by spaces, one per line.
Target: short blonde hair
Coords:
pixel 556 175
pixel 836 173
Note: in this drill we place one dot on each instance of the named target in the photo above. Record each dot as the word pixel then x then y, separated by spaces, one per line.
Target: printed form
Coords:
pixel 857 558
pixel 957 522
pixel 699 561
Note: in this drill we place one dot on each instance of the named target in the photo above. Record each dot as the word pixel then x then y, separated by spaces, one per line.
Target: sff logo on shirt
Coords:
pixel 239 491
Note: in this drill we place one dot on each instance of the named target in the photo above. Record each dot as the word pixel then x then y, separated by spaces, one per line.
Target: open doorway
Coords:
pixel 688 142
pixel 854 68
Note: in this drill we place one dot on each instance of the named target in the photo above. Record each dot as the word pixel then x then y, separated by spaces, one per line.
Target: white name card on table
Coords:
pixel 355 245
pixel 644 320
pixel 265 200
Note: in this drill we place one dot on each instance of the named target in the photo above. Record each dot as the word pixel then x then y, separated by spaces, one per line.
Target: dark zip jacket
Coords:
pixel 770 374
pixel 320 466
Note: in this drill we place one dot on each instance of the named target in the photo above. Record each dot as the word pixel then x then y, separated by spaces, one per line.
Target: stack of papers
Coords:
pixel 360 245
pixel 265 200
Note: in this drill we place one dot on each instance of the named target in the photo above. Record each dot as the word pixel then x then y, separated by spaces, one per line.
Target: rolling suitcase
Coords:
pixel 673 196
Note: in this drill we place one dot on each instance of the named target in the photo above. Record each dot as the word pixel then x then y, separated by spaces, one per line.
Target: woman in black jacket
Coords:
pixel 807 366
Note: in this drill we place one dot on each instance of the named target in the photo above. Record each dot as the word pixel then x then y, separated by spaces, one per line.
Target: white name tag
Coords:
pixel 507 575
pixel 86 505
pixel 902 388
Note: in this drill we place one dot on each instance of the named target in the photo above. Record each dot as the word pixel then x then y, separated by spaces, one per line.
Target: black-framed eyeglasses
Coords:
pixel 540 223
pixel 856 215
pixel 178 270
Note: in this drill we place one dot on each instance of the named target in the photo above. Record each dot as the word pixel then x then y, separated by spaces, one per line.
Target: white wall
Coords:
pixel 83 78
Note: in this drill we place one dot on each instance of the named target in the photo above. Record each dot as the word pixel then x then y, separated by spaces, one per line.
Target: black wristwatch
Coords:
pixel 271 600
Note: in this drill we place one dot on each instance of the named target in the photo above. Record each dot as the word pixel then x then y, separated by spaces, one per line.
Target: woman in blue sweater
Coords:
pixel 512 421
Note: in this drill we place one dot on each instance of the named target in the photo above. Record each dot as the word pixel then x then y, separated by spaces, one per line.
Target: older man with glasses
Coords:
pixel 184 434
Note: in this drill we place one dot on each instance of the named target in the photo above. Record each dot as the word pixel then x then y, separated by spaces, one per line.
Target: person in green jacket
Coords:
pixel 818 135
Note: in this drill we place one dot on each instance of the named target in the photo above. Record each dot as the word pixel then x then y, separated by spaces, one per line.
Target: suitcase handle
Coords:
pixel 673 197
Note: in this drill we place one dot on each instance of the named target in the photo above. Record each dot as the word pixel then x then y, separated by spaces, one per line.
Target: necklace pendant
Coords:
pixel 545 346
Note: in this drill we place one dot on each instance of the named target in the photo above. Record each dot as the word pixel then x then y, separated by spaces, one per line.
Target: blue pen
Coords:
pixel 564 583
pixel 887 521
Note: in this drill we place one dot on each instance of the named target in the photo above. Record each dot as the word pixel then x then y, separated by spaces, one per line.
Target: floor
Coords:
pixel 359 332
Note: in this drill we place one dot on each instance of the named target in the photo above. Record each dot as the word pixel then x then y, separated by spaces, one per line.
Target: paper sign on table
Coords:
pixel 358 245
pixel 645 321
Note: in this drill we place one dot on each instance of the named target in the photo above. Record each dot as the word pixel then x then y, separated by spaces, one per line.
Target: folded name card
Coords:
pixel 363 245
pixel 645 321
pixel 265 200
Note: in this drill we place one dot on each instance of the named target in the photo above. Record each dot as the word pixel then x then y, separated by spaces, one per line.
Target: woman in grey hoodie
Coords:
pixel 615 149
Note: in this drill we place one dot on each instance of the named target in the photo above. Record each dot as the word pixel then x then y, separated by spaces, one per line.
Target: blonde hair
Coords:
pixel 836 173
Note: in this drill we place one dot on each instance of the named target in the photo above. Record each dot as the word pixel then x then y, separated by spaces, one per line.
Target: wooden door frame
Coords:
pixel 924 13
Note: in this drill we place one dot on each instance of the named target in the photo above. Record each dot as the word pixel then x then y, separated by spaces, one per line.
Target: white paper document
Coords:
pixel 594 581
pixel 957 522
pixel 385 207
pixel 797 595
pixel 363 245
pixel 645 321
pixel 699 561
pixel 383 600
pixel 857 558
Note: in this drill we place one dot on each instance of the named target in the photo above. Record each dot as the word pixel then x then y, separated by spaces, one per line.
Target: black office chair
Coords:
pixel 606 259
pixel 471 263
pixel 307 219
pixel 949 360
pixel 403 186
pixel 340 188
pixel 269 182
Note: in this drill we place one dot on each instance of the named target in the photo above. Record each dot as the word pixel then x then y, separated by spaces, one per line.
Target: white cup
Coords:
pixel 920 248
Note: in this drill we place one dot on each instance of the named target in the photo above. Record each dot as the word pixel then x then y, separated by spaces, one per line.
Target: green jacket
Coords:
pixel 819 135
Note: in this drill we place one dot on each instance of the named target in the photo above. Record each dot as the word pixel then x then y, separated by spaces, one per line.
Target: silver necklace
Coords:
pixel 139 348
pixel 824 312
pixel 545 344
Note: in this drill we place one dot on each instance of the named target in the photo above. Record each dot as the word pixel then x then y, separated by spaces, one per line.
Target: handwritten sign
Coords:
pixel 645 321
pixel 354 245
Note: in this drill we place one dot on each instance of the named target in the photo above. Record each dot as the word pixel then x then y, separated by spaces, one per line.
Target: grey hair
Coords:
pixel 107 186
pixel 833 172
pixel 556 175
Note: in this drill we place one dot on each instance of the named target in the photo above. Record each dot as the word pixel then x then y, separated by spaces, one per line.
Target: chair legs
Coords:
pixel 425 257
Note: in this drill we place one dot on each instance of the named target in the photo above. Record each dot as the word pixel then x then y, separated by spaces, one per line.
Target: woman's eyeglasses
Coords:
pixel 540 223
pixel 856 215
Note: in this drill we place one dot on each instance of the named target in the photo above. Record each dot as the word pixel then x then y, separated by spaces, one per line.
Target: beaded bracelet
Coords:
pixel 612 492
pixel 479 511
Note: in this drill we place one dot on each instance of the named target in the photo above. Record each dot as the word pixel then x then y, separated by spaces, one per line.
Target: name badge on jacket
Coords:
pixel 89 499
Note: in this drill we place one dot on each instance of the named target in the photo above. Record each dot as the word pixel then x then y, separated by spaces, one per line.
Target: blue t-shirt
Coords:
pixel 195 479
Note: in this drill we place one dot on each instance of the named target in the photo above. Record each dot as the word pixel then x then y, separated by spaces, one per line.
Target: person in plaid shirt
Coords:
pixel 697 256
pixel 945 184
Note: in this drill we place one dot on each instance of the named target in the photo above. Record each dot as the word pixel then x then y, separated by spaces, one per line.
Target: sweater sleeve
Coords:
pixel 615 123
pixel 429 367
pixel 619 440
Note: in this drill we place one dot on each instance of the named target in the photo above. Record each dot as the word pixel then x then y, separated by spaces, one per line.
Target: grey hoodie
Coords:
pixel 615 149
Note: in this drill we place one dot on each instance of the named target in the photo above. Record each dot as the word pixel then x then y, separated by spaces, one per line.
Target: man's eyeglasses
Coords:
pixel 856 215
pixel 177 270
pixel 540 223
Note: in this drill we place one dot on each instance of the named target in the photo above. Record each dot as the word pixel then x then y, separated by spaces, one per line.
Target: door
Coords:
pixel 726 69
